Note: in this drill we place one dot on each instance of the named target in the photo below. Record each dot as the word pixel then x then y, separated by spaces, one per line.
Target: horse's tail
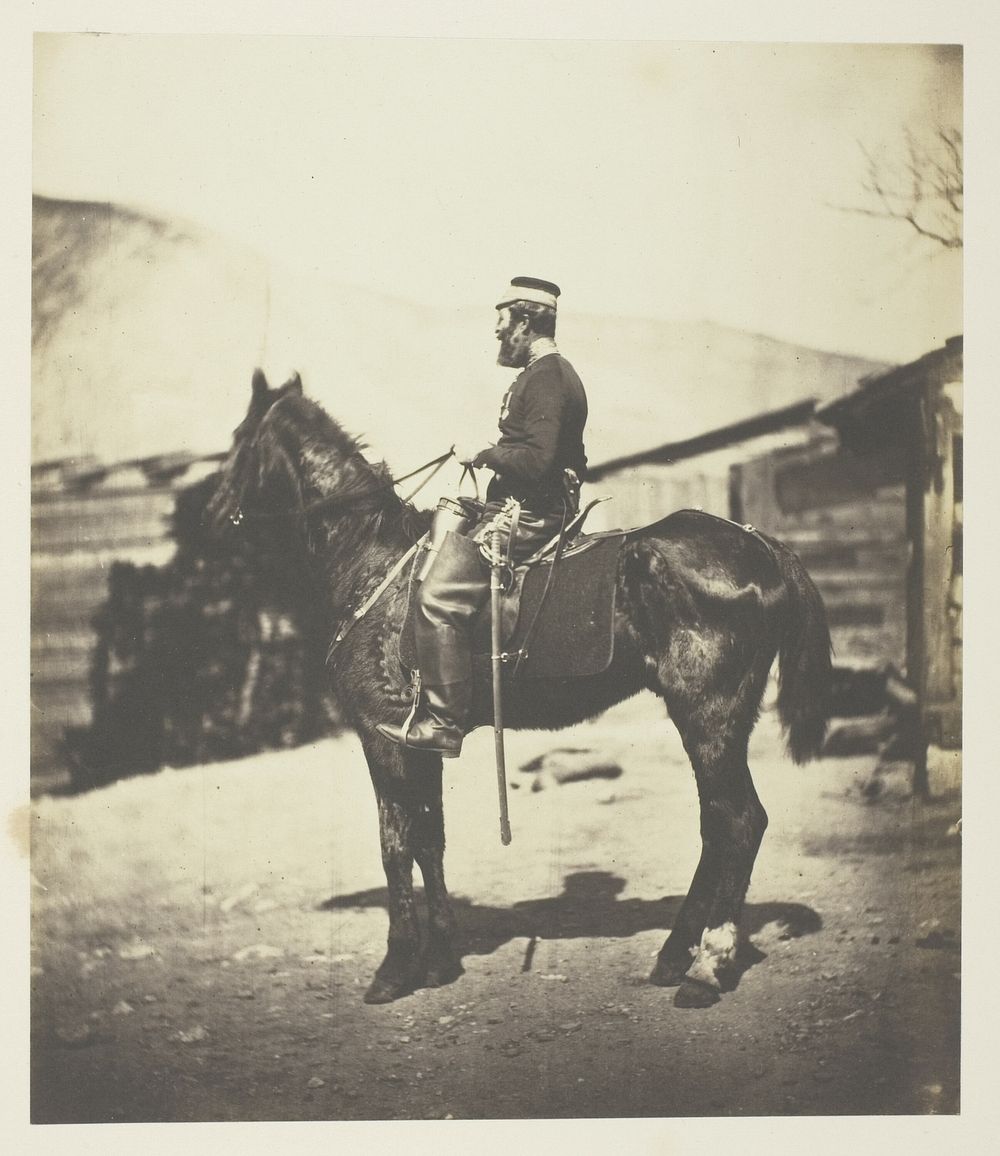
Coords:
pixel 804 660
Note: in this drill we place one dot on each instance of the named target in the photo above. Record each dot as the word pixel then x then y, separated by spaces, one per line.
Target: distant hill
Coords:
pixel 145 333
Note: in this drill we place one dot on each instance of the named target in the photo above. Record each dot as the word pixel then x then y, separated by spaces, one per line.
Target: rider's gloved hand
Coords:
pixel 467 454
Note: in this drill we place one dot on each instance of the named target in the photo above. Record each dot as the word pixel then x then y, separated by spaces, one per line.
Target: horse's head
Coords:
pixel 250 462
pixel 293 472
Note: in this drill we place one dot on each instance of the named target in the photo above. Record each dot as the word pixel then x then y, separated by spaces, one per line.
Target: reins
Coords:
pixel 372 598
pixel 333 500
pixel 437 463
pixel 355 617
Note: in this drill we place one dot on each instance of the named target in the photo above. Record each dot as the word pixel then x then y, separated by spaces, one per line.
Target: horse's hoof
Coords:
pixel 382 991
pixel 668 975
pixel 445 972
pixel 695 993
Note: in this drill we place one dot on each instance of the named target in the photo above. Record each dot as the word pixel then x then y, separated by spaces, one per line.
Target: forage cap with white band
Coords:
pixel 530 289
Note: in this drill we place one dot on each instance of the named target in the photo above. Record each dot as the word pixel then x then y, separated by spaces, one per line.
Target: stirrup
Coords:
pixel 409 736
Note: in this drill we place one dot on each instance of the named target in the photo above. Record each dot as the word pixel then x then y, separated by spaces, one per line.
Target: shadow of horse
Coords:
pixel 589 907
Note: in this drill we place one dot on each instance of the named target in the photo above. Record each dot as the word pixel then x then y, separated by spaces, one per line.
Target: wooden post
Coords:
pixel 940 679
pixel 930 512
pixel 916 482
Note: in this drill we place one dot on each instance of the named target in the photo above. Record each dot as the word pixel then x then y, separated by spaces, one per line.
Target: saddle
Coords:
pixel 554 625
pixel 563 628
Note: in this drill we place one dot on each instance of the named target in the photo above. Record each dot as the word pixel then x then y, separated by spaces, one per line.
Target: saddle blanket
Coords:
pixel 574 632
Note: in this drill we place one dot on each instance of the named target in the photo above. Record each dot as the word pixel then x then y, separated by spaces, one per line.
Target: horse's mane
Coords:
pixel 298 429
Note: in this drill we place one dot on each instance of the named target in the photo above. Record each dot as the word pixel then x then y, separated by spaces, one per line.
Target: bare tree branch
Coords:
pixel 923 189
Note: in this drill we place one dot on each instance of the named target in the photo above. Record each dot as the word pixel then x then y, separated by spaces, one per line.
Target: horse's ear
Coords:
pixel 293 385
pixel 259 385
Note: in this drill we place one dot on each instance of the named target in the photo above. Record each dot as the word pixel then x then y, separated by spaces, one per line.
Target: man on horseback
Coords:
pixel 542 418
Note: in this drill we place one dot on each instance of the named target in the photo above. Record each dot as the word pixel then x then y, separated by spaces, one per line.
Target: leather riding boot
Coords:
pixel 438 722
pixel 454 591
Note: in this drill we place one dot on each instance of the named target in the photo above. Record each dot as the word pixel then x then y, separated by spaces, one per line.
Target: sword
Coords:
pixel 496 589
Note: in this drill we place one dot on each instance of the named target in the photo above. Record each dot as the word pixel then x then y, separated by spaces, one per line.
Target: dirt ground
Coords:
pixel 202 940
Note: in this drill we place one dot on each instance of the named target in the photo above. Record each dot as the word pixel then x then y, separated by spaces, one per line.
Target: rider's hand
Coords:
pixel 467 454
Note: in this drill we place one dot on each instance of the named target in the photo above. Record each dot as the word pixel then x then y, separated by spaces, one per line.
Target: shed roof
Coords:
pixel 741 431
pixel 873 414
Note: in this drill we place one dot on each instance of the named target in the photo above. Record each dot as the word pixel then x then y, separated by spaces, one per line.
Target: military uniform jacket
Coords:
pixel 542 418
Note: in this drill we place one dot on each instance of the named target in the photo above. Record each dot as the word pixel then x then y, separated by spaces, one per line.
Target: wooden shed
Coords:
pixel 867 489
pixel 873 506
pixel 911 418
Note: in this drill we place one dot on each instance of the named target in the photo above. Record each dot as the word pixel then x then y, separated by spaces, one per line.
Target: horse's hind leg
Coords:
pixel 700 953
pixel 735 821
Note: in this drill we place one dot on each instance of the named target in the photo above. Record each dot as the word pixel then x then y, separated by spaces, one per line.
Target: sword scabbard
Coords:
pixel 496 663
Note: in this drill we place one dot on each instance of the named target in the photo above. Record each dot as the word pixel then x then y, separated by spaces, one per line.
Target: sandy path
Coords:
pixel 203 937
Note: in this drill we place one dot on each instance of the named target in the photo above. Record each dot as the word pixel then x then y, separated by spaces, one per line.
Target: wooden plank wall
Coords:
pixel 645 493
pixel 74 539
pixel 845 516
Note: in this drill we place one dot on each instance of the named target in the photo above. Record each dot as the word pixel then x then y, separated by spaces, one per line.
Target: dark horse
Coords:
pixel 703 608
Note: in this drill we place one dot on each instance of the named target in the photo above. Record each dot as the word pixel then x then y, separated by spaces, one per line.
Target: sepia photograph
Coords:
pixel 496 524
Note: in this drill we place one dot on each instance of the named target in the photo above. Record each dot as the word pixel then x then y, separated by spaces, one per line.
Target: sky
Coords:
pixel 674 180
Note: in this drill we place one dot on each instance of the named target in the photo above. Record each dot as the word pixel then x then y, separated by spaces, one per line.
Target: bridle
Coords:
pixel 238 516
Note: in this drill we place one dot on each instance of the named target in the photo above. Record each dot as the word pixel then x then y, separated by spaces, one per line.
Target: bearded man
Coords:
pixel 542 419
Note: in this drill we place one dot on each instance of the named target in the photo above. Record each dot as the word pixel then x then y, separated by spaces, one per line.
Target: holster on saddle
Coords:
pixel 452 516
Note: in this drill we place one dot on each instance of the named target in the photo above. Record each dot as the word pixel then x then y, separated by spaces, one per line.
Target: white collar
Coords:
pixel 541 347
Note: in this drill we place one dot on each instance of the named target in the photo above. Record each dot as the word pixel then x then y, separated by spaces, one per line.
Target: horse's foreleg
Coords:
pixel 401 971
pixel 442 962
pixel 411 827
